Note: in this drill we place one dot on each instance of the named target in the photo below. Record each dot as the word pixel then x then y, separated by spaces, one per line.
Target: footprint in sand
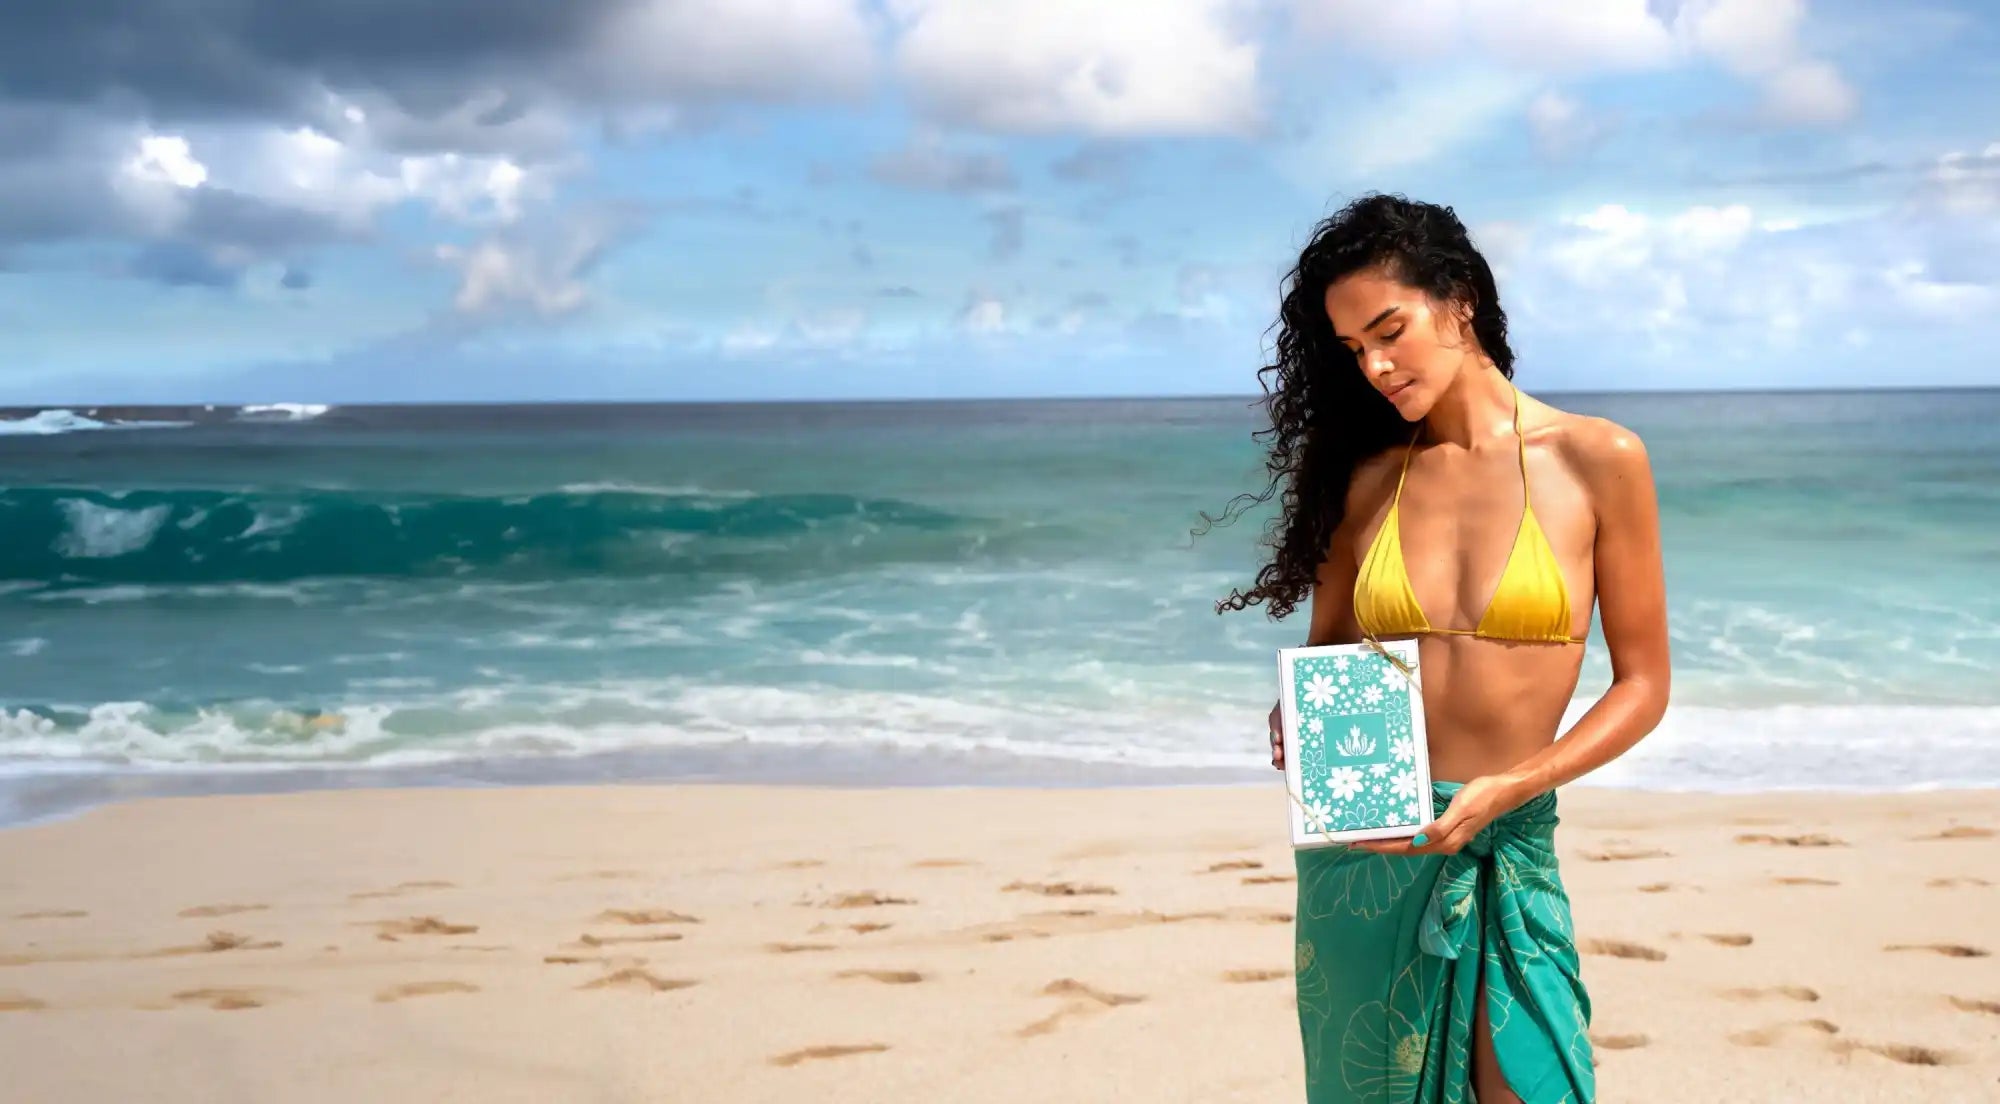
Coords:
pixel 423 989
pixel 1778 1033
pixel 589 940
pixel 1234 864
pixel 867 898
pixel 1242 977
pixel 218 910
pixel 1729 939
pixel 1083 999
pixel 800 864
pixel 399 889
pixel 1810 839
pixel 1788 992
pixel 1907 1053
pixel 217 942
pixel 797 948
pixel 1625 854
pixel 1821 1032
pixel 634 978
pixel 391 930
pixel 1042 925
pixel 600 876
pixel 859 929
pixel 886 977
pixel 1800 881
pixel 642 917
pixel 940 864
pixel 815 1053
pixel 1619 948
pixel 1954 883
pixel 15 1002
pixel 226 1000
pixel 614 962
pixel 1972 1004
pixel 1949 950
pixel 1618 1042
pixel 1070 987
pixel 1959 831
pixel 52 914
pixel 1269 879
pixel 1058 889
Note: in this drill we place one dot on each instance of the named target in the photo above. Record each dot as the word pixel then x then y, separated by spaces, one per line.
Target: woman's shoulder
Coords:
pixel 1370 483
pixel 1598 449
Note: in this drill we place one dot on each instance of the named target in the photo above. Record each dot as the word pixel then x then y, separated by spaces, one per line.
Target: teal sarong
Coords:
pixel 1388 955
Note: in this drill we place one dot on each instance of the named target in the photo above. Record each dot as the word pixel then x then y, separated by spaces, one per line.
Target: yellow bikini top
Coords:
pixel 1531 603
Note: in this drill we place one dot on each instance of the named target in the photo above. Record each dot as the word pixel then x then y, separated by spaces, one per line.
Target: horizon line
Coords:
pixel 938 399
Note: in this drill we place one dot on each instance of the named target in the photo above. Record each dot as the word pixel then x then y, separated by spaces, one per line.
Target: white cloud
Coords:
pixel 833 326
pixel 749 337
pixel 758 50
pixel 1534 34
pixel 307 169
pixel 1720 279
pixel 984 313
pixel 542 272
pixel 842 330
pixel 1421 119
pixel 153 181
pixel 1810 92
pixel 1113 67
pixel 1966 183
pixel 165 158
pixel 1561 126
pixel 472 189
pixel 1758 40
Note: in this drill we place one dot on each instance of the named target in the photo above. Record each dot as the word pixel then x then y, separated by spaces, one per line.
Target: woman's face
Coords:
pixel 1408 348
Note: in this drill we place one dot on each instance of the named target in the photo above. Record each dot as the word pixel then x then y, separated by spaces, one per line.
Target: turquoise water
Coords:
pixel 973 591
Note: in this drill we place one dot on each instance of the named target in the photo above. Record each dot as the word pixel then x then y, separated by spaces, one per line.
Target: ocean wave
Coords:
pixel 73 537
pixel 281 412
pixel 48 423
pixel 1697 748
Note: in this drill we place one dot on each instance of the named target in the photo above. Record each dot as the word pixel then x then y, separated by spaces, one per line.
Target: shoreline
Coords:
pixel 40 798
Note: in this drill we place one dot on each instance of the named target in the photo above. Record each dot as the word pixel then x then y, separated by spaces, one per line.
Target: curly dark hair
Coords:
pixel 1325 416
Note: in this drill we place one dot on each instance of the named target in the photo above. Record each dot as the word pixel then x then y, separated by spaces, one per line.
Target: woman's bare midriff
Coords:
pixel 1488 704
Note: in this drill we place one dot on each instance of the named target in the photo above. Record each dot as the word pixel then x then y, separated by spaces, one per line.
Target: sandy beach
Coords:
pixel 725 943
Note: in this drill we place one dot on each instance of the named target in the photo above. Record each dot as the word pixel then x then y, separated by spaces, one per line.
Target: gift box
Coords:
pixel 1356 764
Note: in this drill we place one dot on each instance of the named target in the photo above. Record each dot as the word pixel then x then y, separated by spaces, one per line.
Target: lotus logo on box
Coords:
pixel 1356 743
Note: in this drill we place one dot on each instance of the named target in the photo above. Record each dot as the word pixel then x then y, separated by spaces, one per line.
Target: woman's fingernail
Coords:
pixel 1419 840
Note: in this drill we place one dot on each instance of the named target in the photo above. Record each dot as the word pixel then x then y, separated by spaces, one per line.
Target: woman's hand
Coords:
pixel 1476 804
pixel 1277 737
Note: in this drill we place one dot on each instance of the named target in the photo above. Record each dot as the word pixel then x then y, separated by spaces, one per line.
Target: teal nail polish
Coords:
pixel 1418 840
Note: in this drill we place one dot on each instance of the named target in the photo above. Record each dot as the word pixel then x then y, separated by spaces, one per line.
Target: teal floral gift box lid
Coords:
pixel 1356 764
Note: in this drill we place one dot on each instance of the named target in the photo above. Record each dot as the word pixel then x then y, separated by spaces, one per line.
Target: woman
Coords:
pixel 1428 497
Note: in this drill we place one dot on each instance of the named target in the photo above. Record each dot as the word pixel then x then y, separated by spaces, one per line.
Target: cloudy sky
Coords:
pixel 353 200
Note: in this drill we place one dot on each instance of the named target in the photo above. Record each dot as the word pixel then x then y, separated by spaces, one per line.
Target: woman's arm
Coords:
pixel 1631 605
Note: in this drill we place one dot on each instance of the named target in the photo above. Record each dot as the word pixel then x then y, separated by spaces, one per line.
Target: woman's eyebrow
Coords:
pixel 1372 323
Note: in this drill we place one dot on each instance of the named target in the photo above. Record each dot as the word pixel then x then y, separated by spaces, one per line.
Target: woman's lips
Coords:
pixel 1397 390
